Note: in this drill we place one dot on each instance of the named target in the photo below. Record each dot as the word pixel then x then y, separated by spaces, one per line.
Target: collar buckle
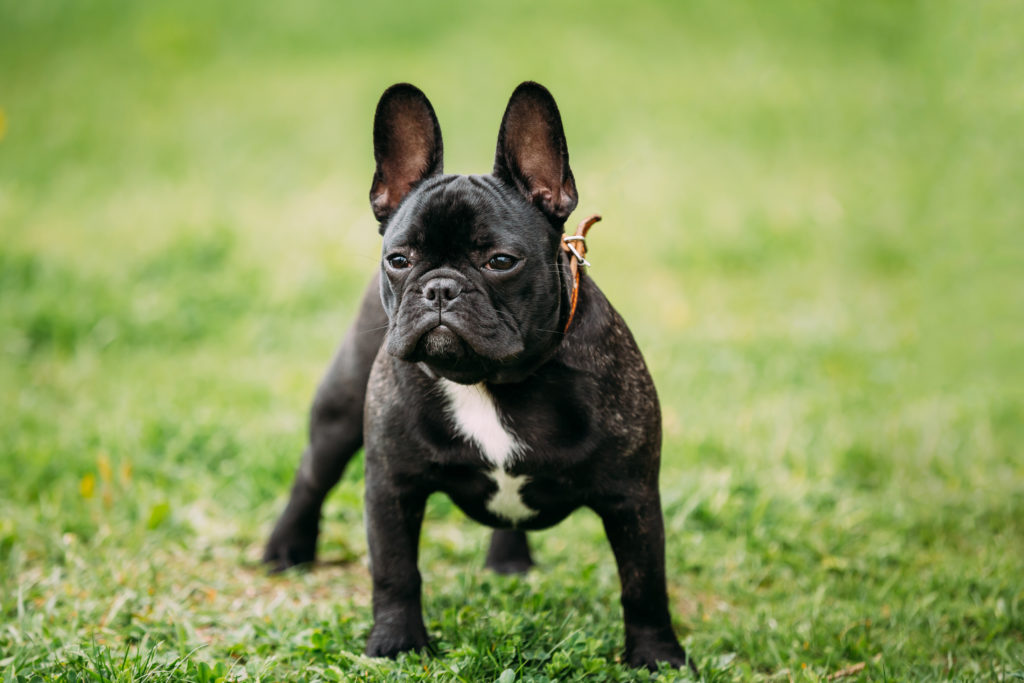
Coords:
pixel 568 240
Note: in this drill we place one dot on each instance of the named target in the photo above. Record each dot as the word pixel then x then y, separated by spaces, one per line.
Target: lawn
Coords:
pixel 812 221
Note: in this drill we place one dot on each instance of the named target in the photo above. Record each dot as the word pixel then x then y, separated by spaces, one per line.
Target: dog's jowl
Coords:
pixel 485 365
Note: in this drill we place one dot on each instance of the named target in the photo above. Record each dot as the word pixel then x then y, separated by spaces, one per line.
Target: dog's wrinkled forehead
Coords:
pixel 465 212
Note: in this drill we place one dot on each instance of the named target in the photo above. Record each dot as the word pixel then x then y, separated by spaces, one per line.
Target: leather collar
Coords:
pixel 575 247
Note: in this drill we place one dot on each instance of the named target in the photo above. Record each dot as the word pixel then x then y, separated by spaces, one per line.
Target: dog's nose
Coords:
pixel 441 291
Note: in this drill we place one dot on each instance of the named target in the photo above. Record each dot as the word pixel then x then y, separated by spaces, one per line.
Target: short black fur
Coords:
pixel 473 291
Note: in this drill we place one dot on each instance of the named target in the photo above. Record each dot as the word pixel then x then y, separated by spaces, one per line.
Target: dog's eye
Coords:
pixel 397 261
pixel 501 262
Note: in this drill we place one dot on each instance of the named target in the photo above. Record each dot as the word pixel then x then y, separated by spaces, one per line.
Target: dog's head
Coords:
pixel 471 276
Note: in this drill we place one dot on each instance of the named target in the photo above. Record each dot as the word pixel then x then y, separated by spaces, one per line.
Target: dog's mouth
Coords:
pixel 448 355
pixel 457 348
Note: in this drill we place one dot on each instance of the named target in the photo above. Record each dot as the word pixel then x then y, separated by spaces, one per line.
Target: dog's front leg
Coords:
pixel 394 514
pixel 636 532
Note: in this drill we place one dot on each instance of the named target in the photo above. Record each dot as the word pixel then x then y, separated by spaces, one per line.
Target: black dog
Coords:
pixel 483 365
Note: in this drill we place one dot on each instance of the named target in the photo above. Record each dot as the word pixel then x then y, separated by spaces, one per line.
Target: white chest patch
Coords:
pixel 476 418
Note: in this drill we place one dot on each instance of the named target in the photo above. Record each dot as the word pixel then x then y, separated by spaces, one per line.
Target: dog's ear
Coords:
pixel 532 154
pixel 406 145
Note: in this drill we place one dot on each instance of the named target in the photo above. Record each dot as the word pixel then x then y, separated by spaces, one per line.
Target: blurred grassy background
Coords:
pixel 812 222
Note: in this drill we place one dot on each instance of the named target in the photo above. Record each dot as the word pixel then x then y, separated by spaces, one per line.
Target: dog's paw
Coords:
pixel 287 548
pixel 281 556
pixel 652 653
pixel 390 641
pixel 509 566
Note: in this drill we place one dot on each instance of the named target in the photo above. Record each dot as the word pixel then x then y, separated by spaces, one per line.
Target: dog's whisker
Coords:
pixel 368 330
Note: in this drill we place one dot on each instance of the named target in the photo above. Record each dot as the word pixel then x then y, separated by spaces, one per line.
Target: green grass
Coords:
pixel 812 222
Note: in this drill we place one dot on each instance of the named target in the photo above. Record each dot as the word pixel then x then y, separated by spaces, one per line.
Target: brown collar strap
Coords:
pixel 575 246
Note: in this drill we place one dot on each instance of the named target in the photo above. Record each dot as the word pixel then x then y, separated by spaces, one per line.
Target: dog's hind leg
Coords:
pixel 335 435
pixel 509 552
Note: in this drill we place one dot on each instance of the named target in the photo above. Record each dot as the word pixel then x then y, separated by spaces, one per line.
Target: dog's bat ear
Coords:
pixel 406 145
pixel 532 154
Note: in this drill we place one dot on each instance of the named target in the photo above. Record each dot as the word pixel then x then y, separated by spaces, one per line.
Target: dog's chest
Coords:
pixel 475 417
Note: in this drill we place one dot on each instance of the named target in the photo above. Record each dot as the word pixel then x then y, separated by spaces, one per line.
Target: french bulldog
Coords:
pixel 486 365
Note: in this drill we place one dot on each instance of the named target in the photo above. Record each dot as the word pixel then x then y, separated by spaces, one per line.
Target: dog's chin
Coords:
pixel 448 355
pixel 441 345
